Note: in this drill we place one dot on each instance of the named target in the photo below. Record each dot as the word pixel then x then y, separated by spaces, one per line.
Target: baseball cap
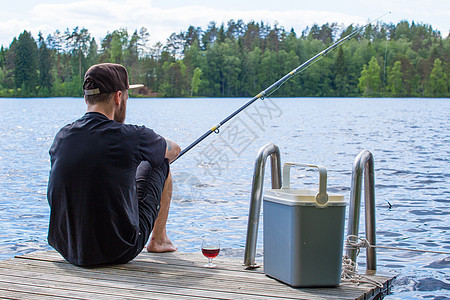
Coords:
pixel 106 78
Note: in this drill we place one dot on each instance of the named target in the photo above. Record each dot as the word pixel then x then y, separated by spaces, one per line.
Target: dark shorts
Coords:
pixel 149 184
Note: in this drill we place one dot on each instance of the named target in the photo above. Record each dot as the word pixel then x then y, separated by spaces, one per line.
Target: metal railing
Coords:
pixel 363 162
pixel 256 196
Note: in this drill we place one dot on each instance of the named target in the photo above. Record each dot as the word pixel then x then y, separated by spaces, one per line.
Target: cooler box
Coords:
pixel 303 233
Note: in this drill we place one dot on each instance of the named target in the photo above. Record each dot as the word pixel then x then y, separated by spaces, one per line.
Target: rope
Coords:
pixel 349 267
pixel 350 274
pixel 364 243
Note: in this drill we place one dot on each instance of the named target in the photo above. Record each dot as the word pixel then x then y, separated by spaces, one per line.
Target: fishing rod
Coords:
pixel 268 91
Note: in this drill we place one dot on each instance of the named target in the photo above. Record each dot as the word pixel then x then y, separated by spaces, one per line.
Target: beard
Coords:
pixel 120 113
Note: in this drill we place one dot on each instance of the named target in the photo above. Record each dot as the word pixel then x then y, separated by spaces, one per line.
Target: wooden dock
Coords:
pixel 45 275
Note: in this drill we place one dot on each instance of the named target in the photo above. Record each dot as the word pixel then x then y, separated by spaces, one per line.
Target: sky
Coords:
pixel 163 17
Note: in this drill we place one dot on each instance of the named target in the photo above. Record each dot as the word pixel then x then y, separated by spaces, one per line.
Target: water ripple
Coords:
pixel 409 139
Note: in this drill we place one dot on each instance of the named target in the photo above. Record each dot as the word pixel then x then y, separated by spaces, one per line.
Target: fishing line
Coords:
pixel 301 71
pixel 385 61
pixel 271 89
pixel 364 243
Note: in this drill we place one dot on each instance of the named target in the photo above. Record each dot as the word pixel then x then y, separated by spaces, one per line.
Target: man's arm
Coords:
pixel 172 150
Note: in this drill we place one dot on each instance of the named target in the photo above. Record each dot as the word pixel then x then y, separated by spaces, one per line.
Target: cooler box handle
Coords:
pixel 322 196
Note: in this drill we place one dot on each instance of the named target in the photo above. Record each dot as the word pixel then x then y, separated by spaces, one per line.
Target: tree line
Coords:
pixel 236 60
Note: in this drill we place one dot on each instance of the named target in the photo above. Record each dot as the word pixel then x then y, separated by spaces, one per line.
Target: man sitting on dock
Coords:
pixel 110 184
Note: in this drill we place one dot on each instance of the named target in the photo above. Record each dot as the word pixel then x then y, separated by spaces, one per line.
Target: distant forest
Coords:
pixel 236 60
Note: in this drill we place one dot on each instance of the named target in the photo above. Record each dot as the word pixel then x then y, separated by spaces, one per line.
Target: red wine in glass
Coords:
pixel 210 252
pixel 210 249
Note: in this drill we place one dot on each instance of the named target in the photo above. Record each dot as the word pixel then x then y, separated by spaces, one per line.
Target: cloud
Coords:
pixel 8 26
pixel 103 16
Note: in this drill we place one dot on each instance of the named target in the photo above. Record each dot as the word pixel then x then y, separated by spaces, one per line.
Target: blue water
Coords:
pixel 409 138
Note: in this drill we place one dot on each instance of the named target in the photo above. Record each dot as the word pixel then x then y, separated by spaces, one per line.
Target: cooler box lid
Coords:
pixel 293 197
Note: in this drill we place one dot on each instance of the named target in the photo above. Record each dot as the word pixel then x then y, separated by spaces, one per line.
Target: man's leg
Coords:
pixel 159 241
pixel 154 190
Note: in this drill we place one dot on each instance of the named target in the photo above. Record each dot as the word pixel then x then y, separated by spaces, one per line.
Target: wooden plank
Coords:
pixel 251 274
pixel 16 295
pixel 265 281
pixel 165 276
pixel 208 287
pixel 183 260
pixel 51 285
pixel 333 291
pixel 45 291
pixel 177 259
pixel 198 272
pixel 266 285
pixel 107 288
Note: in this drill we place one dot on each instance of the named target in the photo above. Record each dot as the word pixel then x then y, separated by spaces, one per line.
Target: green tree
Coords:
pixel 3 53
pixel 175 45
pixel 196 81
pixel 287 61
pixel 193 59
pixel 437 84
pixel 211 68
pixel 8 81
pixel 92 55
pixel 341 84
pixel 221 35
pixel 395 84
pixel 113 45
pixel 370 81
pixel 118 44
pixel 45 65
pixel 26 64
pixel 235 29
pixel 250 69
pixel 238 59
pixel 55 42
pixel 210 35
pixel 144 38
pixel 79 45
pixel 192 36
pixel 410 79
pixel 2 56
pixel 231 74
pixel 310 80
pixel 131 56
pixel 347 31
pixel 273 39
pixel 251 38
pixel 326 33
pixel 175 83
pixel 267 72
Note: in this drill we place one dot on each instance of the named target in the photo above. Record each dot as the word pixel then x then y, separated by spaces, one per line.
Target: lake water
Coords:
pixel 409 139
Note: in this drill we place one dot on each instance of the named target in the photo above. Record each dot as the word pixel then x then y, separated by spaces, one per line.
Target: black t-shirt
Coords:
pixel 94 216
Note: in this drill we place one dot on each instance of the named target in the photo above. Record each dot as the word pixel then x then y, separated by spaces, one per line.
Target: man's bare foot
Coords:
pixel 160 245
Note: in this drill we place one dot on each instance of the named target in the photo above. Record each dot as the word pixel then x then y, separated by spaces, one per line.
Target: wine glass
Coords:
pixel 210 249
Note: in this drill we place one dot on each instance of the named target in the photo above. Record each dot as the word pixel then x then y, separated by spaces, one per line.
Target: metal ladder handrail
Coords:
pixel 256 196
pixel 363 162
